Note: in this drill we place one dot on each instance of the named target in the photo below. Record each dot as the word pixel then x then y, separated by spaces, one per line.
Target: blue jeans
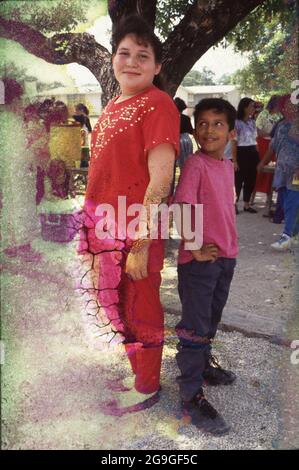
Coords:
pixel 278 215
pixel 291 212
pixel 203 290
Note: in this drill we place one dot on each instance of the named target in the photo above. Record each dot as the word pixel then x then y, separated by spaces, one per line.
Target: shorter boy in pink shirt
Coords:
pixel 205 272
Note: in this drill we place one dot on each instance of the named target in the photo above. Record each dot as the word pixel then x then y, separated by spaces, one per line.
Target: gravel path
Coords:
pixel 261 300
pixel 56 382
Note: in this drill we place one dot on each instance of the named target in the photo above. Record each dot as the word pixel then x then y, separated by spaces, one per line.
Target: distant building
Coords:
pixel 90 95
pixel 193 94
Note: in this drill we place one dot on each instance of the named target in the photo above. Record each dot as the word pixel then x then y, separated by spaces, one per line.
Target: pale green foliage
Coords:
pixel 195 77
pixel 51 16
pixel 273 61
pixel 250 32
pixel 169 12
pixel 225 79
pixel 22 75
pixel 254 31
pixel 12 70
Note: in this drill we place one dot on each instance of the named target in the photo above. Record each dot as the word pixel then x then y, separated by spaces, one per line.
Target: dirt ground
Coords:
pixel 57 379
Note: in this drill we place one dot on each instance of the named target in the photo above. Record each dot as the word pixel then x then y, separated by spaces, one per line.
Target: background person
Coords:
pixel 82 116
pixel 186 129
pixel 265 123
pixel 245 152
pixel 285 144
pixel 133 149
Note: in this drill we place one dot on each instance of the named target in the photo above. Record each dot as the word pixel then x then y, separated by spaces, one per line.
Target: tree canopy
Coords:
pixel 273 60
pixel 53 30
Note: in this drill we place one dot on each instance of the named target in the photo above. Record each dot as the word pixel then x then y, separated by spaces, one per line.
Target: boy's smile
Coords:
pixel 212 133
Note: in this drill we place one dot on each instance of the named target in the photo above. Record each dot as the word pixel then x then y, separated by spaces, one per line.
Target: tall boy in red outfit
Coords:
pixel 132 155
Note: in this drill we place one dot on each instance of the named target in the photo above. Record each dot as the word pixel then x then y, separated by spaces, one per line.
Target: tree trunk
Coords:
pixel 145 8
pixel 204 24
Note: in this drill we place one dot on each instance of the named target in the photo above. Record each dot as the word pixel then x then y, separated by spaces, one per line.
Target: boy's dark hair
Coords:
pixel 218 105
pixel 244 103
pixel 136 25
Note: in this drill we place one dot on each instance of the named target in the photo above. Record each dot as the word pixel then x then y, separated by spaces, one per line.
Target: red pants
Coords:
pixel 134 309
pixel 263 180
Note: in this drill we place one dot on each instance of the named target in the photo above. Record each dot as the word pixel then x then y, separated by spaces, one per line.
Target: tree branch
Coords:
pixel 145 8
pixel 64 48
pixel 204 24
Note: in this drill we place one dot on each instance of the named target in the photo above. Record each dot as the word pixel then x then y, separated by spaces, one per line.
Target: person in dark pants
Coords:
pixel 205 271
pixel 186 146
pixel 186 129
pixel 81 116
pixel 246 152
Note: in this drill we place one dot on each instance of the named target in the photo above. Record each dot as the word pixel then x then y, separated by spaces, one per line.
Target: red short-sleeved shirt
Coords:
pixel 120 142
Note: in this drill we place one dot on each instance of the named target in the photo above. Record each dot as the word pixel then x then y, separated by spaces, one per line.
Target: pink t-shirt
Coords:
pixel 205 180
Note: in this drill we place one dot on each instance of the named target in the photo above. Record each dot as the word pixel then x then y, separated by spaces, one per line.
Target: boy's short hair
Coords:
pixel 136 25
pixel 218 105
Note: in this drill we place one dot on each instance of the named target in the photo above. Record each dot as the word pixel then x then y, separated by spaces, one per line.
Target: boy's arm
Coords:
pixel 187 194
pixel 160 166
pixel 208 252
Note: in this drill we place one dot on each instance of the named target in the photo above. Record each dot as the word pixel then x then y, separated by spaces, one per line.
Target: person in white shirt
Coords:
pixel 244 150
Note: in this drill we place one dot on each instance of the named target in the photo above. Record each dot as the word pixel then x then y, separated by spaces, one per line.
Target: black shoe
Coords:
pixel 251 210
pixel 214 374
pixel 204 416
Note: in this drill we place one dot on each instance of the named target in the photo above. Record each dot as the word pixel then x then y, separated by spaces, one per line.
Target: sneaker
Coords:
pixel 284 243
pixel 214 374
pixel 251 210
pixel 204 416
pixel 295 240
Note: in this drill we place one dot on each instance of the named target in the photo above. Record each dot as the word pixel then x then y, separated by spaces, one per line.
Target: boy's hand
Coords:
pixel 136 264
pixel 206 253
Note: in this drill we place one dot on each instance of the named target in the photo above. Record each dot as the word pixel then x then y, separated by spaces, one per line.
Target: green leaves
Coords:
pixel 255 31
pixel 204 77
pixel 169 13
pixel 266 33
pixel 45 16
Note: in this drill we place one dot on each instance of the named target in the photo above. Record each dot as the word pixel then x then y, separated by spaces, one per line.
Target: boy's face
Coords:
pixel 212 133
